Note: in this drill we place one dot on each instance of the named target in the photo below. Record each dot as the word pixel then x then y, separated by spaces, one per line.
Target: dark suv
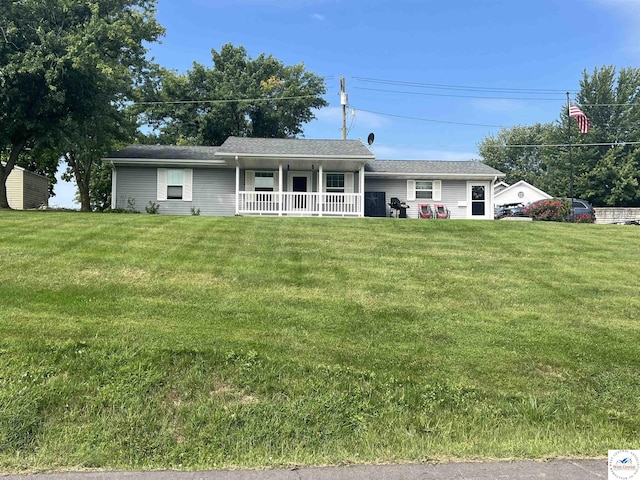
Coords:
pixel 582 207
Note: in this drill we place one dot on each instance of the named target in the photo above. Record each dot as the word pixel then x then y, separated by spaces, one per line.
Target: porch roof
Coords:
pixel 295 153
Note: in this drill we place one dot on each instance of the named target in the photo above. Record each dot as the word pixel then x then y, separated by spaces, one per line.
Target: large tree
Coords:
pixel 603 165
pixel 239 96
pixel 518 151
pixel 65 62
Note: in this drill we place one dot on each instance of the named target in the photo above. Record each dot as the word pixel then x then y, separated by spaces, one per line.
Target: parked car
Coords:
pixel 581 211
pixel 582 207
pixel 509 210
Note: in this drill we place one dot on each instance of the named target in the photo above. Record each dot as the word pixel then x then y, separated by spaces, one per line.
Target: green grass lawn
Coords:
pixel 144 342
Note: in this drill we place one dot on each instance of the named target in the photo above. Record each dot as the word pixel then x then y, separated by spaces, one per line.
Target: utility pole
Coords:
pixel 344 99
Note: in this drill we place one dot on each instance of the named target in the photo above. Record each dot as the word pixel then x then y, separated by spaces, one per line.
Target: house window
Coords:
pixel 175 183
pixel 335 182
pixel 424 189
pixel 264 182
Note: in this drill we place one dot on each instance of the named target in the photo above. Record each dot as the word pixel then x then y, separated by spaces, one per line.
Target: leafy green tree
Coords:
pixel 603 165
pixel 239 96
pixel 65 62
pixel 520 153
pixel 609 174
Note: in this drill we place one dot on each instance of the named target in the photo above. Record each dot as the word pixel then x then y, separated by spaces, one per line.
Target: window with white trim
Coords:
pixel 424 189
pixel 263 182
pixel 335 182
pixel 175 183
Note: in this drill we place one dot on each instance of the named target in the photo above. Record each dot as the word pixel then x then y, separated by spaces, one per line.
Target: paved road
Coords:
pixel 553 470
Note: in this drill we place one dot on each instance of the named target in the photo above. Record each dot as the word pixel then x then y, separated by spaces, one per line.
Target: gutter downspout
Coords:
pixel 493 200
pixel 114 189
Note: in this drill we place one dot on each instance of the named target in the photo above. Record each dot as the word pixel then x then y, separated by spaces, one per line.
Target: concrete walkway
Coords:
pixel 553 470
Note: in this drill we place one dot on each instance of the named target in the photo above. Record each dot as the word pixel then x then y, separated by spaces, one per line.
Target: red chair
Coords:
pixel 424 210
pixel 441 211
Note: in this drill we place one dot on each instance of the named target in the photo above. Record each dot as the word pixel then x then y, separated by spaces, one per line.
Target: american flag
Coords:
pixel 583 121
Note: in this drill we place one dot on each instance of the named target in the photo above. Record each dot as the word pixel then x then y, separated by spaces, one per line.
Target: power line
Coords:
pixel 440 145
pixel 598 144
pixel 430 120
pixel 462 87
pixel 456 96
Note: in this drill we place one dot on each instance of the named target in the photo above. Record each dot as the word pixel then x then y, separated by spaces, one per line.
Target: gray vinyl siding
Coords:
pixel 453 191
pixel 213 191
pixel 35 190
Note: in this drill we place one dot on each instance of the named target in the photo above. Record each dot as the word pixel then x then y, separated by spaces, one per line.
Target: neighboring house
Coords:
pixel 520 192
pixel 258 176
pixel 499 187
pixel 26 190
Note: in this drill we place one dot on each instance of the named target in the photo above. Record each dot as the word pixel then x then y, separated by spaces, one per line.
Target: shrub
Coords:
pixel 153 208
pixel 584 218
pixel 554 210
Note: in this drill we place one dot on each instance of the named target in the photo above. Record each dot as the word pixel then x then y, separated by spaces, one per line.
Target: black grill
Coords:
pixel 399 206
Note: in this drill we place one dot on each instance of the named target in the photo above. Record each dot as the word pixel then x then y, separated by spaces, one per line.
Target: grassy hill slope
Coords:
pixel 131 341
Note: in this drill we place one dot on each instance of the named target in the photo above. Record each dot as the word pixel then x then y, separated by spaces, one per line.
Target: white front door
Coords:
pixel 479 200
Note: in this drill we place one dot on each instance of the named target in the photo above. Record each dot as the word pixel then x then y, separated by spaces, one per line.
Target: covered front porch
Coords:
pixel 301 193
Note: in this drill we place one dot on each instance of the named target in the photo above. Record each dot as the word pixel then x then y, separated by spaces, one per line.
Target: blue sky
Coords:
pixel 410 58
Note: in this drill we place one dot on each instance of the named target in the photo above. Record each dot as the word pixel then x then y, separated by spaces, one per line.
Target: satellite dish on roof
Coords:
pixel 371 138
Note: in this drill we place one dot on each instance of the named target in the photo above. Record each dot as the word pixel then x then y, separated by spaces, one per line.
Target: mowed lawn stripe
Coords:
pixel 141 341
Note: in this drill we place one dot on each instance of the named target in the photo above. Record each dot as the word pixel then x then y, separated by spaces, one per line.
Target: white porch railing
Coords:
pixel 296 203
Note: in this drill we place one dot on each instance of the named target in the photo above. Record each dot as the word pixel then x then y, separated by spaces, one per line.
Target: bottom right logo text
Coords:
pixel 624 464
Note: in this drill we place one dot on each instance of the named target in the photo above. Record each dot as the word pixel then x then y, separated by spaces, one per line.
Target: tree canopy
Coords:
pixel 66 62
pixel 239 96
pixel 605 162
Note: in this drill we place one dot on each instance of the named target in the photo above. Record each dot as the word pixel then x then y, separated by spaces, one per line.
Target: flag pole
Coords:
pixel 570 159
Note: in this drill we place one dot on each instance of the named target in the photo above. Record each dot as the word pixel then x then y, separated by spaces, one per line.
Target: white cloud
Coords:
pixel 629 13
pixel 319 17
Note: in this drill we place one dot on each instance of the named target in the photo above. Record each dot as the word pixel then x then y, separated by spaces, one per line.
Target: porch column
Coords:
pixel 237 188
pixel 280 189
pixel 320 189
pixel 361 192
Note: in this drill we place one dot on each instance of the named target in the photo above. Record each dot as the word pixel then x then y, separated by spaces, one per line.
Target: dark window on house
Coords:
pixel 335 182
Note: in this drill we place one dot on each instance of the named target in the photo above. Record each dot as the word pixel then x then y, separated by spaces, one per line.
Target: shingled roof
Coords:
pixel 165 152
pixel 294 147
pixel 426 167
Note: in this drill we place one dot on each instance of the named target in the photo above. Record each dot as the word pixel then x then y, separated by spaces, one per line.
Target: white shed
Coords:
pixel 27 190
pixel 520 192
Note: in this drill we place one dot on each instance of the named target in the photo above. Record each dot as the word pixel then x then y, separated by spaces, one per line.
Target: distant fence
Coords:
pixel 616 214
